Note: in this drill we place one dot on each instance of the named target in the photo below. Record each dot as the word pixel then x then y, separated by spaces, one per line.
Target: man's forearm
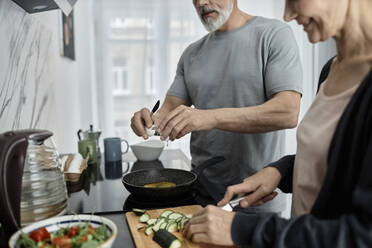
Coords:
pixel 276 114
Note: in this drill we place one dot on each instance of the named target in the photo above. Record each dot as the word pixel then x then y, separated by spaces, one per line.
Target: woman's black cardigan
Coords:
pixel 342 213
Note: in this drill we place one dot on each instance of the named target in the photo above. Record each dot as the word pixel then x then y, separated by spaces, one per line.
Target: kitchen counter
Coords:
pixel 124 238
pixel 100 190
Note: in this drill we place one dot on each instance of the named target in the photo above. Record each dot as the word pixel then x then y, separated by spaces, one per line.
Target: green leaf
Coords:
pixel 24 241
pixel 90 244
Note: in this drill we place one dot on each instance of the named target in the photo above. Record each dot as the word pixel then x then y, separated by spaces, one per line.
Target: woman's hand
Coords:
pixel 259 187
pixel 211 225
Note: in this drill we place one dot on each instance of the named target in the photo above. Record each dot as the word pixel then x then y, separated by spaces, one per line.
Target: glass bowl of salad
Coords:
pixel 69 231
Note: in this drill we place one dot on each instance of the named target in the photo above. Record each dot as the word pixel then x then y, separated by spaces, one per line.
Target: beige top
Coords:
pixel 314 136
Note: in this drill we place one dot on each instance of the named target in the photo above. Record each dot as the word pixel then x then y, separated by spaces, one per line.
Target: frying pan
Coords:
pixel 134 182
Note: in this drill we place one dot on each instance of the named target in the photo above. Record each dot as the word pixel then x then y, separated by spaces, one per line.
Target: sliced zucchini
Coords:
pixel 166 240
pixel 174 216
pixel 144 218
pixel 166 213
pixel 188 216
pixel 180 219
pixel 156 228
pixel 172 227
pixel 148 230
pixel 175 244
pixel 151 221
pixel 138 211
pixel 182 223
pixel 160 221
pixel 163 225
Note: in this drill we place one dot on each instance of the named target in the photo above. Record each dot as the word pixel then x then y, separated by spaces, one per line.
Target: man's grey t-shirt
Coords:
pixel 232 69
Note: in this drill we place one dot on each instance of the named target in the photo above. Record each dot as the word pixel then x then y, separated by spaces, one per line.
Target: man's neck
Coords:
pixel 237 19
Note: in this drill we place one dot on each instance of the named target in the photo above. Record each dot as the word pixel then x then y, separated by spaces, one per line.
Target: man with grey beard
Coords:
pixel 235 90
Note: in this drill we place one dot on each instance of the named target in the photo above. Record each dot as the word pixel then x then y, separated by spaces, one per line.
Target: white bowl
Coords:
pixel 148 150
pixel 54 224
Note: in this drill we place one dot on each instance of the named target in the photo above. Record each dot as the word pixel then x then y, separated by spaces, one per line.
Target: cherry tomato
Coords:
pixel 73 231
pixel 40 234
pixel 84 238
pixel 91 230
pixel 62 242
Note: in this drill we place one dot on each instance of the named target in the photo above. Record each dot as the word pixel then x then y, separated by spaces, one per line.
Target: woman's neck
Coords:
pixel 354 42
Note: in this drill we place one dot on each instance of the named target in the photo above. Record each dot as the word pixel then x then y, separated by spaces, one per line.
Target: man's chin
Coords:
pixel 210 28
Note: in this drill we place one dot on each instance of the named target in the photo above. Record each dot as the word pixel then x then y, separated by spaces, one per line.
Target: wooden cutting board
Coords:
pixel 143 241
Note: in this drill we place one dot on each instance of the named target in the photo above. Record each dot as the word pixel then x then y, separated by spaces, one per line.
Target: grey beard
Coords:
pixel 223 15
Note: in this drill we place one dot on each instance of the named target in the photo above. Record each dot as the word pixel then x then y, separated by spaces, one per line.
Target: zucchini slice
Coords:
pixel 160 221
pixel 174 216
pixel 163 225
pixel 151 221
pixel 144 218
pixel 138 211
pixel 166 240
pixel 166 213
pixel 172 227
pixel 180 219
pixel 148 230
pixel 182 223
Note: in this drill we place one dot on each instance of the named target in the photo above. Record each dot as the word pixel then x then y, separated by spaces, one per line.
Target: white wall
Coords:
pixel 65 73
pixel 58 79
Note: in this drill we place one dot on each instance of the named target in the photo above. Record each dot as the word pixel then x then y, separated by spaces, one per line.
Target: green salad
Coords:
pixel 79 236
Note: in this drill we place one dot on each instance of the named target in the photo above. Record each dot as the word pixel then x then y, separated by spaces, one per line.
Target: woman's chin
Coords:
pixel 314 37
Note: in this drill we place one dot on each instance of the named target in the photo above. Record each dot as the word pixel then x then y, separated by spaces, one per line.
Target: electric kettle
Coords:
pixel 32 185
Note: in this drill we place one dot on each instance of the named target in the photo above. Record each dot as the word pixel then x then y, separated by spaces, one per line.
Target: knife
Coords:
pixel 232 204
pixel 156 107
pixel 151 131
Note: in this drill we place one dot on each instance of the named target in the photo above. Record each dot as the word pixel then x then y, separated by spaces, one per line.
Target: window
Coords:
pixel 120 76
pixel 129 28
pixel 150 79
pixel 140 46
pixel 121 82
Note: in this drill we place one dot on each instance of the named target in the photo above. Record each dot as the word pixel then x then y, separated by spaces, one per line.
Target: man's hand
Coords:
pixel 211 225
pixel 259 187
pixel 184 120
pixel 140 121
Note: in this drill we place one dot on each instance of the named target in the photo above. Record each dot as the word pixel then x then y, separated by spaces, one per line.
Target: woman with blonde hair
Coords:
pixel 331 174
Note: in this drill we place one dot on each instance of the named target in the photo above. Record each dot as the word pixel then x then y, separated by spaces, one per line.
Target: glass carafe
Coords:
pixel 43 187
